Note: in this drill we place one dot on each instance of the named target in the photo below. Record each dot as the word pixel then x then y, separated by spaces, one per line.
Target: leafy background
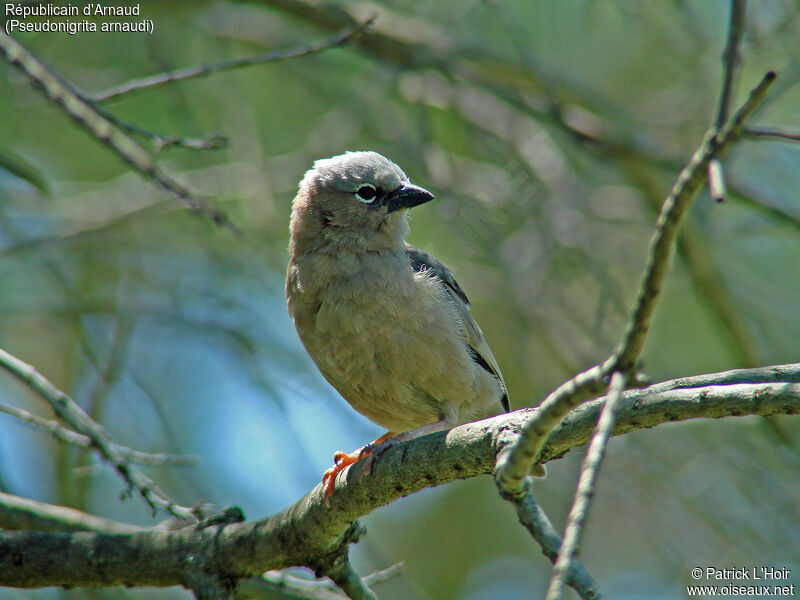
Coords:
pixel 549 131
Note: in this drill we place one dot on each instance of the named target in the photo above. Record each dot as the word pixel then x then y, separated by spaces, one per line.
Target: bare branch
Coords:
pixel 385 574
pixel 74 416
pixel 22 513
pixel 771 374
pixel 350 582
pixel 64 95
pixel 69 436
pixel 731 60
pixel 771 133
pixel 308 530
pixel 516 460
pixel 227 65
pixel 280 585
pixel 580 505
pixel 534 519
pixel 160 142
pixel 680 198
pixel 514 464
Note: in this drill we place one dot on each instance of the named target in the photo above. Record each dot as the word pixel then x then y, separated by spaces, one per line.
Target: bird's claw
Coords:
pixel 342 460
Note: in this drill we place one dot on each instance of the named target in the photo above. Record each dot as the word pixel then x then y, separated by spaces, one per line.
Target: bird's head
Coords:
pixel 356 198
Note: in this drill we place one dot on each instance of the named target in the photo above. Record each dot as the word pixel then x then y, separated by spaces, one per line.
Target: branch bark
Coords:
pixel 536 521
pixel 580 506
pixel 310 534
pixel 24 513
pixel 731 59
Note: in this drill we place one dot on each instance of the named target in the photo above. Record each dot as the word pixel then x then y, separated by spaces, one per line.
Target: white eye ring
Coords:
pixel 366 193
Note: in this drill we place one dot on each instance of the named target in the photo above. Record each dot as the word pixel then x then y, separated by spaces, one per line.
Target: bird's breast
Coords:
pixel 382 335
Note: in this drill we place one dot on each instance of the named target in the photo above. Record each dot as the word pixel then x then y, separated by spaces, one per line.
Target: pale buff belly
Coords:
pixel 398 362
pixel 392 345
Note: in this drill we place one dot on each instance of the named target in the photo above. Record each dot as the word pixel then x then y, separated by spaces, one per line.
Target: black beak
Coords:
pixel 407 195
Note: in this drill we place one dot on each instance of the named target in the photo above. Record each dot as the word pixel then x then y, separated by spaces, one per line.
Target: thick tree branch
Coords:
pixel 308 531
pixel 789 373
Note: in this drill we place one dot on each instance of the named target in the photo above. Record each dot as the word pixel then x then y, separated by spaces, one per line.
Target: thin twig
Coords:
pixel 214 141
pixel 695 254
pixel 69 436
pixel 384 574
pixel 25 514
pixel 74 416
pixel 771 133
pixel 675 206
pixel 534 519
pixel 351 582
pixel 227 65
pixel 64 95
pixel 285 585
pixel 580 505
pixel 731 59
pixel 515 462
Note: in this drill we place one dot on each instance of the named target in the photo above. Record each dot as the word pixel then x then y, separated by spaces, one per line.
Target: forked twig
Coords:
pixel 136 85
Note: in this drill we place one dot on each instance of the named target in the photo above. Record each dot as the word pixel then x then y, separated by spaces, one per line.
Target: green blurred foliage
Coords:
pixel 550 132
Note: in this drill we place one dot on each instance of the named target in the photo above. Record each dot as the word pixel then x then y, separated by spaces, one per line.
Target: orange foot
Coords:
pixel 342 460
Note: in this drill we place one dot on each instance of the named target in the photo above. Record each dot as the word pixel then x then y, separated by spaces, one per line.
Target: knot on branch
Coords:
pixel 334 561
pixel 205 582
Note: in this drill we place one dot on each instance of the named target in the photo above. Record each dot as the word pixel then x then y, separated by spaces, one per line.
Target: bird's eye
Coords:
pixel 366 193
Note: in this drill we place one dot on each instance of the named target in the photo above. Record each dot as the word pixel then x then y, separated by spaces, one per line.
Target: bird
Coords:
pixel 386 323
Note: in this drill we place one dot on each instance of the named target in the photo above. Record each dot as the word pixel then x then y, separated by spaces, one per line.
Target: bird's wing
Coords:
pixel 476 343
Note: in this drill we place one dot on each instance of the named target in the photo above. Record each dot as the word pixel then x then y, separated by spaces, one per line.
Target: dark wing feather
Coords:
pixel 421 260
pixel 476 344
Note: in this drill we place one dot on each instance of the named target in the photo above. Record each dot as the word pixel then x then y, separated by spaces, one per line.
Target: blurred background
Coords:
pixel 549 131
